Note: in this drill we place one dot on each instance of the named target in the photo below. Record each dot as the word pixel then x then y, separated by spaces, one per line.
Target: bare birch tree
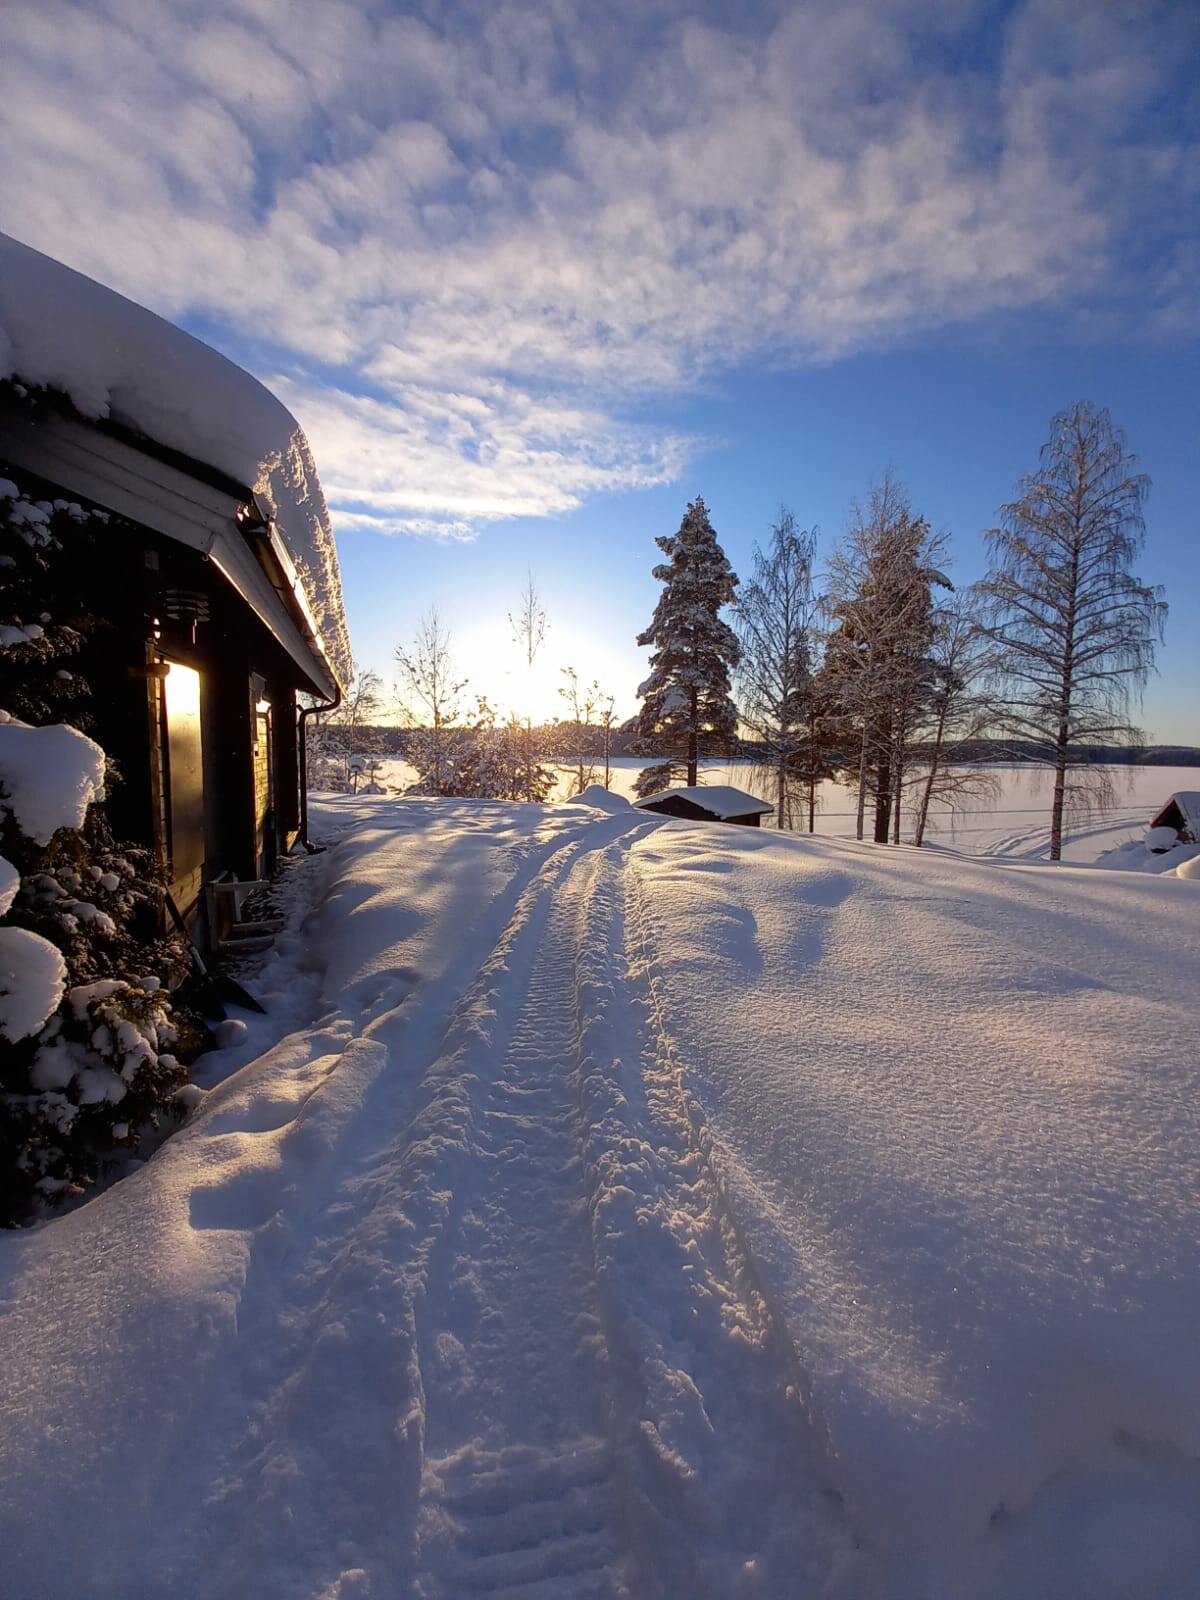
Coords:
pixel 529 634
pixel 774 618
pixel 334 736
pixel 957 712
pixel 588 728
pixel 1072 628
pixel 430 695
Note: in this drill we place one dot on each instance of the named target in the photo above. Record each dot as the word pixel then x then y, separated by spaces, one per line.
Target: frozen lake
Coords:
pixel 1013 820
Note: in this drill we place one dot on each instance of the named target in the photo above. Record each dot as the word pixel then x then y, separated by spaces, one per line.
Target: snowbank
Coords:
pixel 48 776
pixel 1159 839
pixel 115 359
pixel 599 799
pixel 958 1107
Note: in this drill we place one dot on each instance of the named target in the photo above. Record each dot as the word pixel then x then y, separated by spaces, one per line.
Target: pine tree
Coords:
pixel 1073 629
pixel 686 700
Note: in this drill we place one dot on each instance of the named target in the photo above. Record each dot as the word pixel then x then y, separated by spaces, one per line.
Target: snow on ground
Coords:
pixel 615 1206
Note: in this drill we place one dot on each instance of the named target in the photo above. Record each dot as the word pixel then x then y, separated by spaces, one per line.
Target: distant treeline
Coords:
pixel 1003 752
pixel 560 737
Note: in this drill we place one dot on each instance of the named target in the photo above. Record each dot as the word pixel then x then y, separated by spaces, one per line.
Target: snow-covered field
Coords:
pixel 612 1206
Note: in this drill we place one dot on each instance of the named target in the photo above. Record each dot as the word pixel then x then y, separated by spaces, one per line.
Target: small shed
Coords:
pixel 718 804
pixel 1182 814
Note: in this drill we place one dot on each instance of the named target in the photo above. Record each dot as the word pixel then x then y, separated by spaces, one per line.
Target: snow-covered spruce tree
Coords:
pixel 877 656
pixel 1072 629
pixel 88 1039
pixel 775 616
pixel 686 701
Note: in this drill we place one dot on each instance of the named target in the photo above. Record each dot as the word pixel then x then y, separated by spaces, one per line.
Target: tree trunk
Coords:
pixel 883 801
pixel 934 763
pixel 812 773
pixel 1057 805
pixel 862 782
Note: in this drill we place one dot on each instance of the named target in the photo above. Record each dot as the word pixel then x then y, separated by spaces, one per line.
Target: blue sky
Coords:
pixel 534 275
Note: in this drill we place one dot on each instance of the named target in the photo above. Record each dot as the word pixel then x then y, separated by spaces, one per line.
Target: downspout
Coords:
pixel 307 711
pixel 260 528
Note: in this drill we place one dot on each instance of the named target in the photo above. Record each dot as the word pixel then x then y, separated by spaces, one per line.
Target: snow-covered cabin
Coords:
pixel 699 804
pixel 223 590
pixel 1182 814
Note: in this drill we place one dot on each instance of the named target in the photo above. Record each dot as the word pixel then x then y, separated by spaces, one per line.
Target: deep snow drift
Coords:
pixel 645 1208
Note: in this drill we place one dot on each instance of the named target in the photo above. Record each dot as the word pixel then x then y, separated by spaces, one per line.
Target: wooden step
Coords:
pixel 245 947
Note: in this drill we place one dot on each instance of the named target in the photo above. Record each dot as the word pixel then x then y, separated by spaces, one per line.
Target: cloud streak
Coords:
pixel 478 242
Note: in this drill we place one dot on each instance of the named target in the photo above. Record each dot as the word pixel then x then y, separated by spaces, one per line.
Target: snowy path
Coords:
pixel 516 1491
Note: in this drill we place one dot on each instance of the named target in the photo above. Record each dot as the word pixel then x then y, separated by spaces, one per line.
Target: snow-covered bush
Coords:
pixel 480 758
pixel 88 1029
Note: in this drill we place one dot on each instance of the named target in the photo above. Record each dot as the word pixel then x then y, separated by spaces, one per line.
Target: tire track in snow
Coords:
pixel 517 1491
pixel 722 1454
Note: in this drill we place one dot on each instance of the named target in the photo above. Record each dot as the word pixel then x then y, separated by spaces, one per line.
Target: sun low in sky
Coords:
pixel 532 276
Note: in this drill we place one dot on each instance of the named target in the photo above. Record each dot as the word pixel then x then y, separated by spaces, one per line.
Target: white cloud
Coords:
pixel 501 229
pixel 443 462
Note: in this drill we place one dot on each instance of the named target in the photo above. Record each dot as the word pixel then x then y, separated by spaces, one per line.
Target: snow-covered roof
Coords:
pixel 1188 801
pixel 721 800
pixel 1183 808
pixel 116 360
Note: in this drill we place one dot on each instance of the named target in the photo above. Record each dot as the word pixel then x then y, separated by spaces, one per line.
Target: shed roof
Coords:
pixel 1187 803
pixel 116 361
pixel 720 800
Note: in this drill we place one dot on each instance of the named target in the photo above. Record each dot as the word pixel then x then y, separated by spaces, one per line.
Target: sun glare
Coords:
pixel 496 668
